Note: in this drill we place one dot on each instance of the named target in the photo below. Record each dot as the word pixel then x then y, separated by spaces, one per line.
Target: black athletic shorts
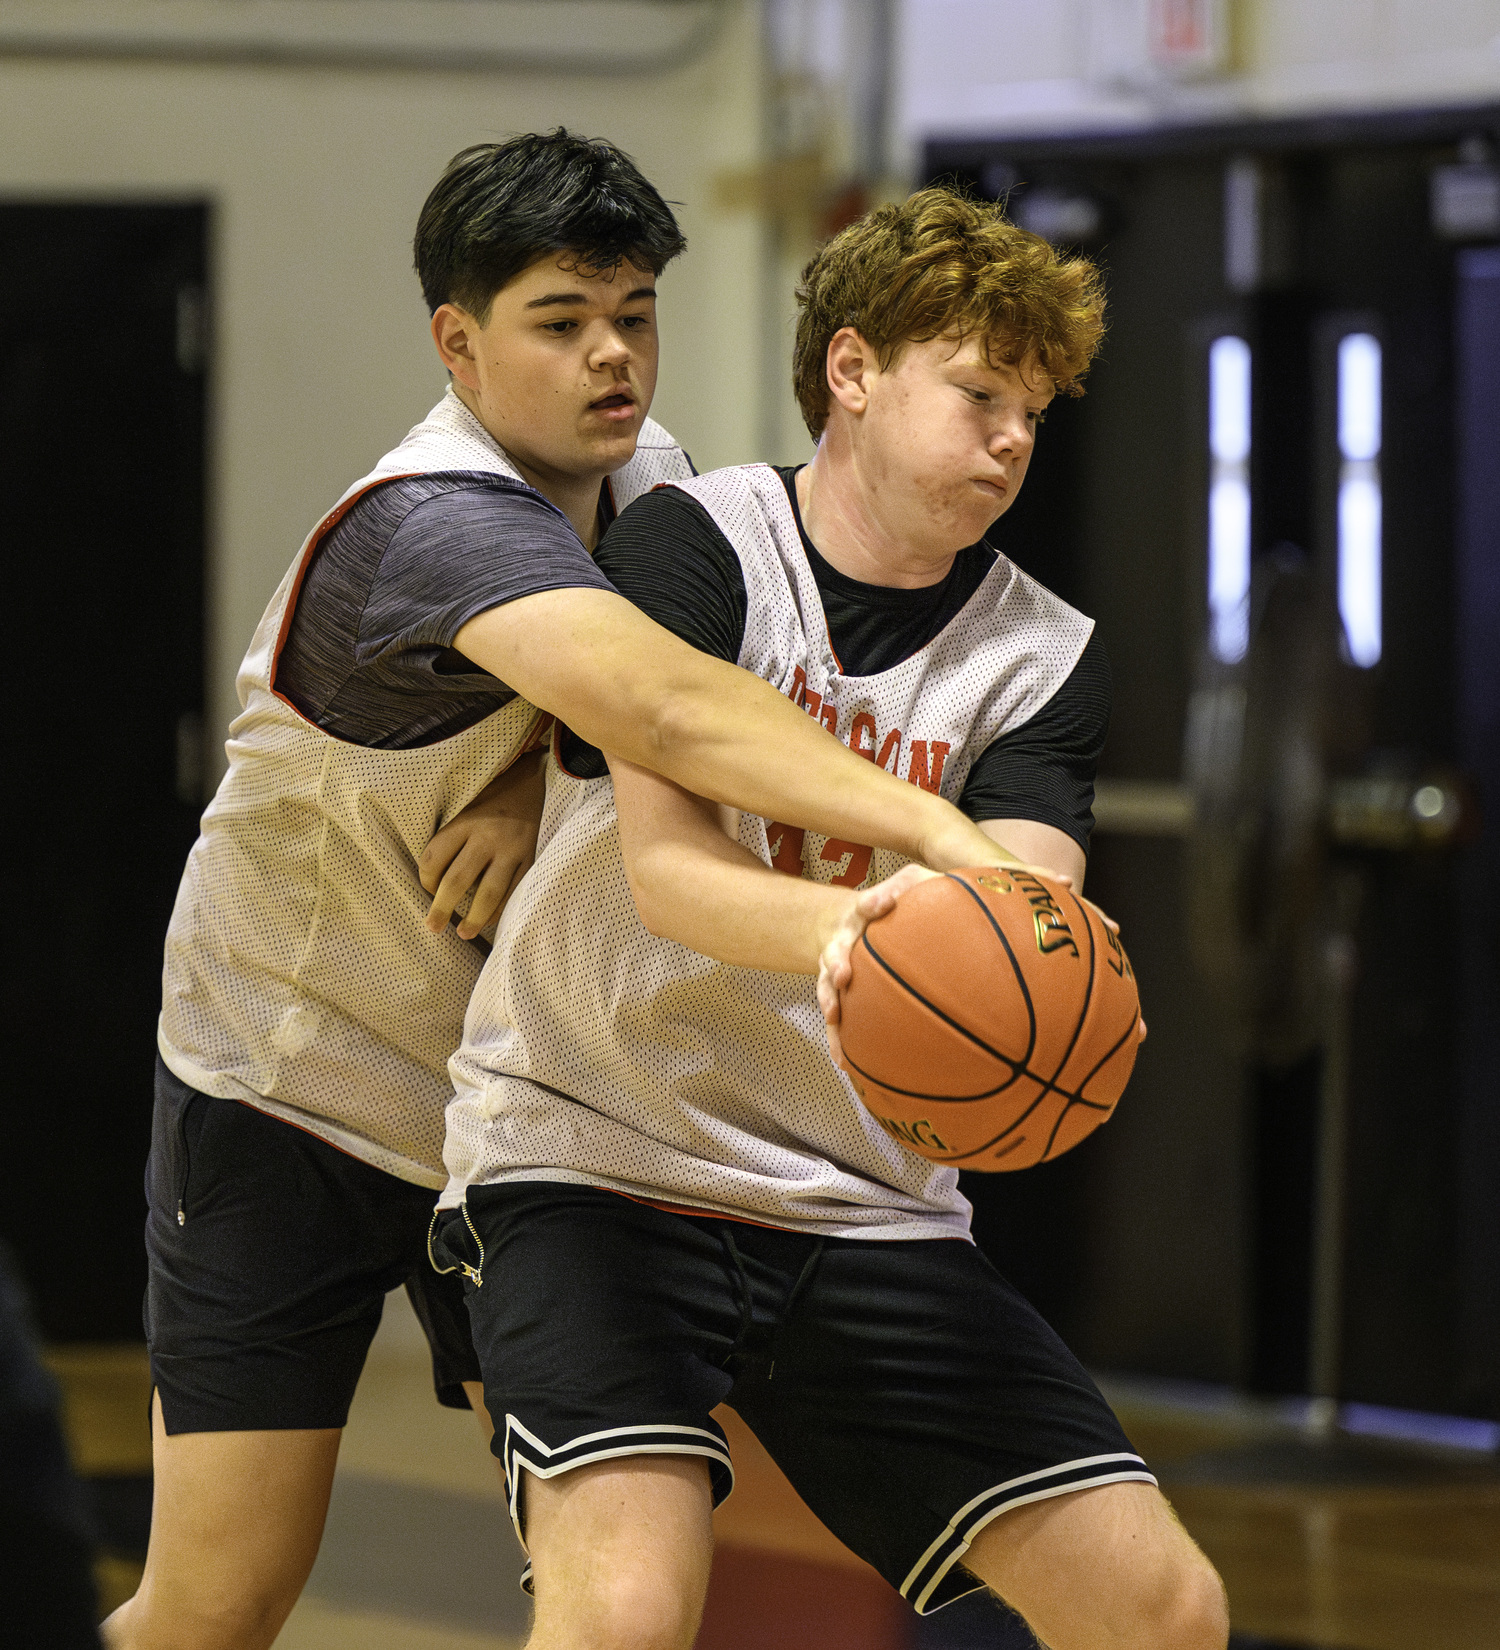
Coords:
pixel 270 1254
pixel 906 1390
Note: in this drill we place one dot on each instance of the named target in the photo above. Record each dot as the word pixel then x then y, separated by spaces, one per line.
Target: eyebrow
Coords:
pixel 582 297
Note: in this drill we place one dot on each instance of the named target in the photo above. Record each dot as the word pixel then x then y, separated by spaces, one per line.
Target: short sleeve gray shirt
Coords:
pixel 369 654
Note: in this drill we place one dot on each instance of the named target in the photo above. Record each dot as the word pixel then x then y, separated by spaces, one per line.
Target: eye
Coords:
pixel 978 396
pixel 559 329
pixel 635 322
pixel 1037 416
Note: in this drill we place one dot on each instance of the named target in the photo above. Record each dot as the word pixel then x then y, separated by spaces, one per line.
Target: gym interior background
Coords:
pixel 1279 499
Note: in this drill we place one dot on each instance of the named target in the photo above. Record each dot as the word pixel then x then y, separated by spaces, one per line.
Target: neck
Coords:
pixel 842 510
pixel 577 496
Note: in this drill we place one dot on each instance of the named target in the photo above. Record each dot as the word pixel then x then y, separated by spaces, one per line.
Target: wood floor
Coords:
pixel 419 1554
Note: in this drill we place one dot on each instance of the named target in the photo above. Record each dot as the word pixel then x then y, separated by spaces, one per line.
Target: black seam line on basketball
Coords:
pixel 989 1094
pixel 1048 1089
pixel 1088 997
pixel 1050 1085
pixel 941 1099
pixel 1104 1059
pixel 1088 994
pixel 1016 968
pixel 1052 1138
pixel 963 1031
pixel 1079 1100
pixel 948 1020
pixel 1011 1128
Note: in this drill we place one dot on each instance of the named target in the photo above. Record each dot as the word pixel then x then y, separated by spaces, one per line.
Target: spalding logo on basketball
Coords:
pixel 991 1020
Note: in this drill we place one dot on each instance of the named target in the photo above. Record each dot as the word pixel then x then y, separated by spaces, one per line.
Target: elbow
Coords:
pixel 650 910
pixel 672 729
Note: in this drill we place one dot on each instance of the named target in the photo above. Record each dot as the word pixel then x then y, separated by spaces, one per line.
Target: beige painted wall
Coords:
pixel 986 66
pixel 322 358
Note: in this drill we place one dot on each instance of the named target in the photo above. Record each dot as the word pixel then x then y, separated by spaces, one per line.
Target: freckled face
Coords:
pixel 946 438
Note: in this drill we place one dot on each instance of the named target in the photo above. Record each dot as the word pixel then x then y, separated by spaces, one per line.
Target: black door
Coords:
pixel 102 344
pixel 1180 1241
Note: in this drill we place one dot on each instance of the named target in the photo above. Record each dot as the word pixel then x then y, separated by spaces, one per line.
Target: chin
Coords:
pixel 962 527
pixel 617 450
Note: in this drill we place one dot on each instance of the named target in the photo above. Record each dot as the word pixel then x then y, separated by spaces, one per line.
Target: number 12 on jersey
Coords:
pixel 786 844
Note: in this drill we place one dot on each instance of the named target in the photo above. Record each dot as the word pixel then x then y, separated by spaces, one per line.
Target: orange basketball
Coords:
pixel 991 1019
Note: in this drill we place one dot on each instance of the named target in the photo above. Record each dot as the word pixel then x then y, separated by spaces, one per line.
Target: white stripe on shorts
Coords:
pixel 524 1449
pixel 958 1536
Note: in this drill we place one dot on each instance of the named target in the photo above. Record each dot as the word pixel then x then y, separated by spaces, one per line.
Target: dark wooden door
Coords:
pixel 102 423
pixel 1179 1241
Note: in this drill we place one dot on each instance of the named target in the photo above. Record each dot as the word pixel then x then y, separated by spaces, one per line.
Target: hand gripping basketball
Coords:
pixel 991 1019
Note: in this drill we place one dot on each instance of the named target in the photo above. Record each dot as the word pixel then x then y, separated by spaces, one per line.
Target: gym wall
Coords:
pixel 320 358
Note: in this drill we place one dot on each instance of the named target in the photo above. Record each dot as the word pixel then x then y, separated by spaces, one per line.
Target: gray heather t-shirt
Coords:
pixel 369 656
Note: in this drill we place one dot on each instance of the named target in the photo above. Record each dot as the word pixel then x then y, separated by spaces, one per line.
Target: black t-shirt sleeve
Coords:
pixel 665 554
pixel 1044 770
pixel 462 552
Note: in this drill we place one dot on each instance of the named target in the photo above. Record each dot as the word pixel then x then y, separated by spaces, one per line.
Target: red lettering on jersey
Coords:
pixel 829 717
pixel 785 843
pixel 812 702
pixel 859 861
pixel 890 752
pixel 862 724
pixel 917 772
pixel 798 694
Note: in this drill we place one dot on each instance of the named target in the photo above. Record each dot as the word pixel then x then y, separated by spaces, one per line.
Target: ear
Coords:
pixel 453 331
pixel 851 361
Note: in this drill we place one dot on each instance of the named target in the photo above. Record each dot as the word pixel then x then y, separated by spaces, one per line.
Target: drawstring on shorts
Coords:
pixel 747 1298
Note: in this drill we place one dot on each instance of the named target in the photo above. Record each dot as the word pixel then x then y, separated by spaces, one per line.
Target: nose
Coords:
pixel 1015 436
pixel 611 347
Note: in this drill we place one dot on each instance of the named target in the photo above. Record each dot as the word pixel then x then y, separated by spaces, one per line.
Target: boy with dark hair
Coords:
pixel 773 1248
pixel 429 623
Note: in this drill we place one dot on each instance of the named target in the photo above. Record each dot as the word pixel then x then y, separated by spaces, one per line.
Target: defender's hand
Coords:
pixel 488 848
pixel 833 963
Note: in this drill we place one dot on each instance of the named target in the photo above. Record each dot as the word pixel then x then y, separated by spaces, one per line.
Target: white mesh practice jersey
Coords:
pixel 596 1052
pixel 298 975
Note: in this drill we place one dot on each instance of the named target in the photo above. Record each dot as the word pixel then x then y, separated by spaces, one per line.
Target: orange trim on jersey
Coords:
pixel 320 532
pixel 741 1220
pixel 698 1214
pixel 541 734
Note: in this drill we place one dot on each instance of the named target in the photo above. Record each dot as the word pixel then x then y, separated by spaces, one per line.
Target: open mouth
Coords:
pixel 618 404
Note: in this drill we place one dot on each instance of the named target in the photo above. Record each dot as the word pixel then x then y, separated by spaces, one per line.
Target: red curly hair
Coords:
pixel 941 265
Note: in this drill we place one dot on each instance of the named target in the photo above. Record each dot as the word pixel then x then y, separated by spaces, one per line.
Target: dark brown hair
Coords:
pixel 498 207
pixel 940 265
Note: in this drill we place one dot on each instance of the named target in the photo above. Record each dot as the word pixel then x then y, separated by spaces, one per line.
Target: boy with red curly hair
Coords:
pixel 663 1193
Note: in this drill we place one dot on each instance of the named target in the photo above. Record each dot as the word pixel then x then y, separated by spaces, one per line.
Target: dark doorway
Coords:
pixel 102 422
pixel 1179 1241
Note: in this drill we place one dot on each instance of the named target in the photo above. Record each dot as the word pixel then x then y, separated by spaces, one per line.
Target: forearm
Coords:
pixel 1039 845
pixel 631 687
pixel 717 898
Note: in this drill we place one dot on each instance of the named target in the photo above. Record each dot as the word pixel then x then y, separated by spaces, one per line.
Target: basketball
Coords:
pixel 990 1020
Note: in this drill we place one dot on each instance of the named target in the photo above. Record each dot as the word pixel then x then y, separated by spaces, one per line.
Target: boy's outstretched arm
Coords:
pixel 628 685
pixel 694 884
